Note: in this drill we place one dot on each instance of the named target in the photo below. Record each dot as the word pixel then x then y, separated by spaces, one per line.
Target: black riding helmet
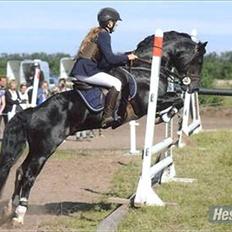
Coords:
pixel 107 14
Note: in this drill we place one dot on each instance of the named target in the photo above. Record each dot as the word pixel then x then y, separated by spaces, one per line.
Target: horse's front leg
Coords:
pixel 169 108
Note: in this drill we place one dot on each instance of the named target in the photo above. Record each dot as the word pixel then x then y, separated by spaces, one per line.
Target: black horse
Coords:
pixel 46 126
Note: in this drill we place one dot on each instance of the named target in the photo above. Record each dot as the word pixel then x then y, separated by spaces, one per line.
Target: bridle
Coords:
pixel 186 79
pixel 144 61
pixel 170 73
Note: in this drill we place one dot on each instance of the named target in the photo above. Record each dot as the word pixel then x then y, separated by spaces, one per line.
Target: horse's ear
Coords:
pixel 201 46
pixel 204 44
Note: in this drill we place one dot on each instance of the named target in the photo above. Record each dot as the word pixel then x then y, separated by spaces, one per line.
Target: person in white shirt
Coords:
pixel 12 99
pixel 24 96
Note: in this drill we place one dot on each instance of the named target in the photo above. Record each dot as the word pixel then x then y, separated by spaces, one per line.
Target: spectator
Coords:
pixel 3 86
pixel 61 87
pixel 12 100
pixel 24 96
pixel 43 92
pixel 2 101
pixel 3 81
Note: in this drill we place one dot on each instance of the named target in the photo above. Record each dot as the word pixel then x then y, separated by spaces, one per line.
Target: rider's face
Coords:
pixel 112 25
pixel 23 88
pixel 3 82
pixel 115 26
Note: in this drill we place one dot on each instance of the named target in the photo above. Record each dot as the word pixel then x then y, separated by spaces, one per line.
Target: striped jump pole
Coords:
pixel 145 193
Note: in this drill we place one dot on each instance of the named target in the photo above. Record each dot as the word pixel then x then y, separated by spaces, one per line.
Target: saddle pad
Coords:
pixel 93 98
pixel 131 81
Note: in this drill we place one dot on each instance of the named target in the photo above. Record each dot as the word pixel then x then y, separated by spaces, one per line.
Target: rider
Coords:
pixel 95 58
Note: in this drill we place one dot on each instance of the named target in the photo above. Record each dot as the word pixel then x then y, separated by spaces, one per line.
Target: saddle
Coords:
pixel 94 95
pixel 80 85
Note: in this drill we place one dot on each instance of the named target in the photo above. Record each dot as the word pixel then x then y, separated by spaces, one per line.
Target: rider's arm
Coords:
pixel 104 43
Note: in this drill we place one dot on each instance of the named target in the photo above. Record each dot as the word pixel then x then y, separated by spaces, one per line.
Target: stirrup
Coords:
pixel 118 122
pixel 107 122
pixel 112 122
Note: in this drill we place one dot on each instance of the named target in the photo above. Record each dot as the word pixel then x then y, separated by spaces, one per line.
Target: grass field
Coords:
pixel 208 159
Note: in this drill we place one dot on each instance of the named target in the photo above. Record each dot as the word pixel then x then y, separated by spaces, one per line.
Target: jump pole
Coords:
pixel 215 92
pixel 145 193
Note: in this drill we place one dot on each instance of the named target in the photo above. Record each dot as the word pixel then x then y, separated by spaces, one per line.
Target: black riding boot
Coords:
pixel 110 105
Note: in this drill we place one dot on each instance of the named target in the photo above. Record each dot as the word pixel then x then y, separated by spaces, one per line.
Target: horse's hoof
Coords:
pixel 19 214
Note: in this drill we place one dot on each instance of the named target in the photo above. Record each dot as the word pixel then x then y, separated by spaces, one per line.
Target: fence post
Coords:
pixel 133 150
pixel 144 193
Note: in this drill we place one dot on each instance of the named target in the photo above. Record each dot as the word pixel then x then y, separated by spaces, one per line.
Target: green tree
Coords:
pixel 52 59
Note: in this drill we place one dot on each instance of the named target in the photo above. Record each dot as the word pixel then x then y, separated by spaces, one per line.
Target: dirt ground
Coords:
pixel 72 184
pixel 212 118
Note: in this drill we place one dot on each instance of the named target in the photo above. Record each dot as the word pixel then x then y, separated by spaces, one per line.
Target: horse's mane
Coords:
pixel 169 35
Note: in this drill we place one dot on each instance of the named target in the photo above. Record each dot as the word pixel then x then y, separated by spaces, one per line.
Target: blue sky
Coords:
pixel 59 26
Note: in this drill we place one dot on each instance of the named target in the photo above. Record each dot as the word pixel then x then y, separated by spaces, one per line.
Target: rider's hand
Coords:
pixel 132 56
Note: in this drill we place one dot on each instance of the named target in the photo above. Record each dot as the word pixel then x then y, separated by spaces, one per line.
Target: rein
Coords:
pixel 144 61
pixel 171 74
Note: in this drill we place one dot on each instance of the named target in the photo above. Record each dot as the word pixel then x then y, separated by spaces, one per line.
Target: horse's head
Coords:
pixel 187 58
pixel 180 52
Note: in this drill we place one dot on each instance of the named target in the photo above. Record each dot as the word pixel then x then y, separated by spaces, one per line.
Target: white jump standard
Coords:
pixel 190 125
pixel 133 150
pixel 145 193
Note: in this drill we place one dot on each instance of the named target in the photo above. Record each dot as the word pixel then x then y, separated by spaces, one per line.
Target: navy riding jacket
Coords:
pixel 88 67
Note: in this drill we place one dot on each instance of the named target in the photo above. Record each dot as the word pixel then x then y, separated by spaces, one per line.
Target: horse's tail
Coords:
pixel 13 143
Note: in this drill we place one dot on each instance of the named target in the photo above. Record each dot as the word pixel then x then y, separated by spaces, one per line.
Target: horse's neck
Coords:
pixel 140 101
pixel 171 43
pixel 142 76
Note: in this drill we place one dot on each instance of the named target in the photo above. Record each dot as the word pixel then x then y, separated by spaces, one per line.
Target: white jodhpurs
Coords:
pixel 102 79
